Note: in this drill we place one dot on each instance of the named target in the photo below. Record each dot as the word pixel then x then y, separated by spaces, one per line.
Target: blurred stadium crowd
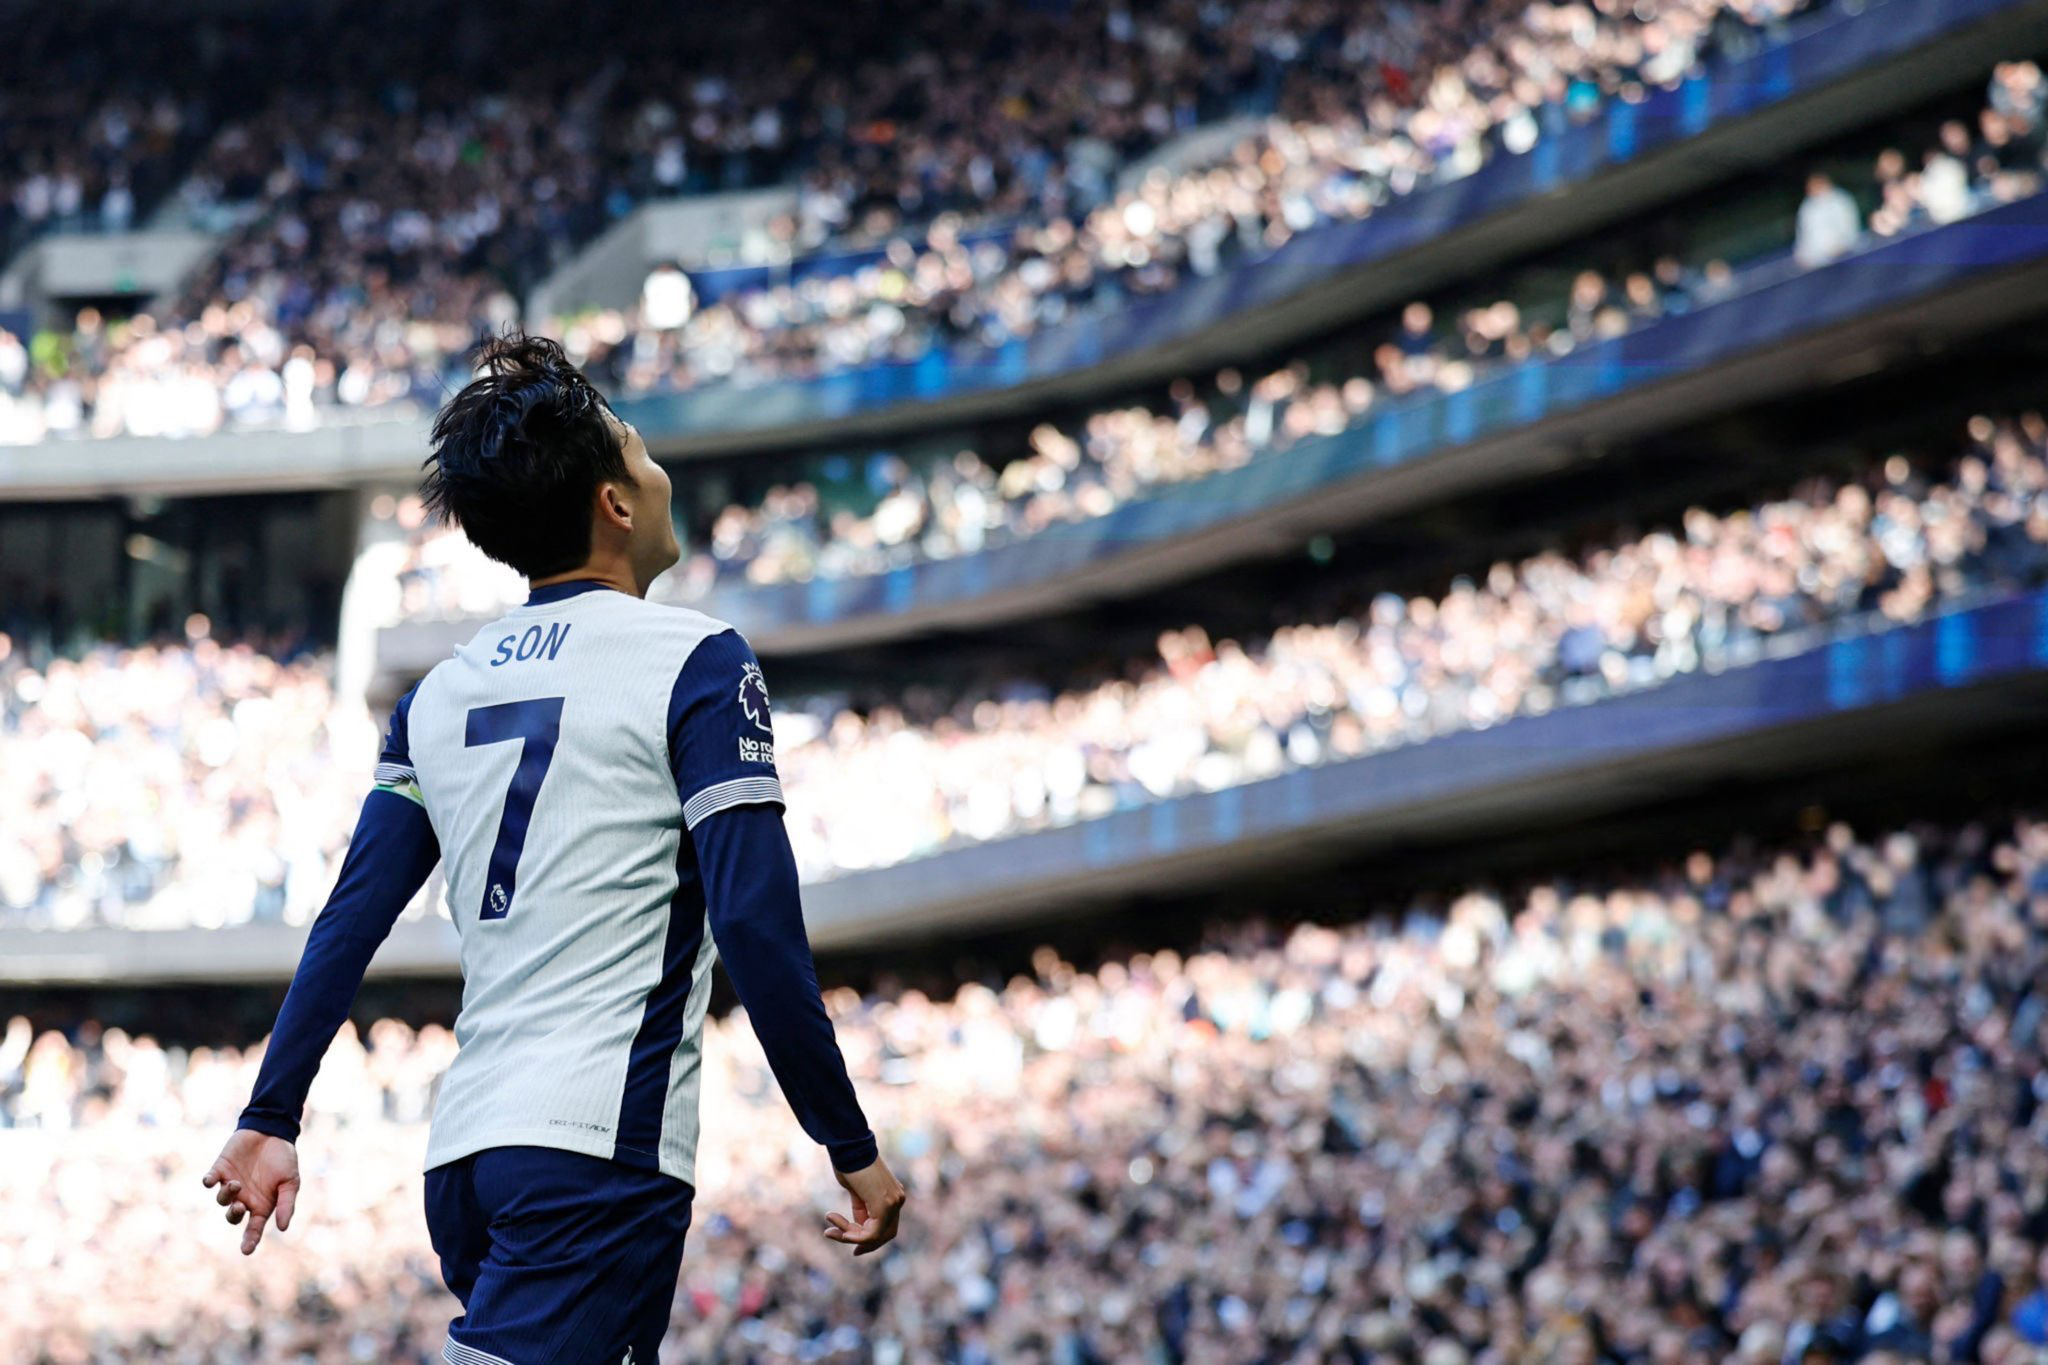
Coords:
pixel 196 783
pixel 1523 639
pixel 895 511
pixel 1756 1106
pixel 1451 92
pixel 379 235
pixel 1761 1106
pixel 206 783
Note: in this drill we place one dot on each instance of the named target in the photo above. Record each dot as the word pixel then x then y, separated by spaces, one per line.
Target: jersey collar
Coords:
pixel 556 592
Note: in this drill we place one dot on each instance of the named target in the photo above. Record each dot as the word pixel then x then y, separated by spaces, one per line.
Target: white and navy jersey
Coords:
pixel 598 776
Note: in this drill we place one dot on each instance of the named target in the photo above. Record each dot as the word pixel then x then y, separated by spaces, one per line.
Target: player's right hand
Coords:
pixel 255 1176
pixel 877 1204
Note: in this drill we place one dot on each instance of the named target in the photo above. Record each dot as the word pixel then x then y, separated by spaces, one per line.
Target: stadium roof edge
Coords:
pixel 339 455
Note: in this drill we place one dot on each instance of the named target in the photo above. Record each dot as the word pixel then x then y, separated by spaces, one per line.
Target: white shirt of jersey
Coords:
pixel 562 757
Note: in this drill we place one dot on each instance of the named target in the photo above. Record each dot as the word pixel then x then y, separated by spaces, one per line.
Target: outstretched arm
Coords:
pixel 757 920
pixel 389 857
pixel 750 890
pixel 721 746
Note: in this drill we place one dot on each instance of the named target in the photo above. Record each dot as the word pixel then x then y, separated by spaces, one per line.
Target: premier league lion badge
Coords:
pixel 754 696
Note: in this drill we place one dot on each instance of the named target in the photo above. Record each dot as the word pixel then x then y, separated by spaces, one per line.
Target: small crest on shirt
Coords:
pixel 754 696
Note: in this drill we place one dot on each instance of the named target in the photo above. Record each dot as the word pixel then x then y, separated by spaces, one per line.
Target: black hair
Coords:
pixel 518 454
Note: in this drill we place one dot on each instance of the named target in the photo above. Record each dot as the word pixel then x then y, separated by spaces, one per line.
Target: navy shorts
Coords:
pixel 558 1258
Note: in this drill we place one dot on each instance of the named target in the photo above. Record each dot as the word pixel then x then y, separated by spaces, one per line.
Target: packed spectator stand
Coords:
pixel 895 511
pixel 283 329
pixel 1755 1105
pixel 244 771
pixel 1320 160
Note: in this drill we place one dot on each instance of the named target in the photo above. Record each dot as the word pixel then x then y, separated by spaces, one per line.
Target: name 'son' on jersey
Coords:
pixel 532 643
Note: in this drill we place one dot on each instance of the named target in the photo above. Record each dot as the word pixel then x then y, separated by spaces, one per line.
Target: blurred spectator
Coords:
pixel 1945 175
pixel 1829 225
pixel 666 301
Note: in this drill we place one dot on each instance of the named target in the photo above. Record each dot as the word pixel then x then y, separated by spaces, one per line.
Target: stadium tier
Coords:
pixel 1502 390
pixel 235 360
pixel 1105 514
pixel 1753 1103
pixel 251 768
pixel 1946 680
pixel 1202 269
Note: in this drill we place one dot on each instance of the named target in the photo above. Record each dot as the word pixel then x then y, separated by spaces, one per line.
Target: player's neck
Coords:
pixel 618 576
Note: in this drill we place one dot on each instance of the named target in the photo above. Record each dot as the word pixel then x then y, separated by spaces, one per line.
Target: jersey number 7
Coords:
pixel 536 724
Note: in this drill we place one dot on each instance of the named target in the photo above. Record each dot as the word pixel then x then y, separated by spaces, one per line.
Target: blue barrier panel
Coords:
pixel 1792 306
pixel 1821 49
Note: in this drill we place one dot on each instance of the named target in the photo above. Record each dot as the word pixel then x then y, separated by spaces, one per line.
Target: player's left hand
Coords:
pixel 255 1176
pixel 877 1205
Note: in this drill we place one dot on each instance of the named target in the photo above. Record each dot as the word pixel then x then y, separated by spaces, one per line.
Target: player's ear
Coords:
pixel 614 506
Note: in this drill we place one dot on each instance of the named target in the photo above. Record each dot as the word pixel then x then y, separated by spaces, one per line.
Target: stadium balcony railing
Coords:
pixel 1792 704
pixel 1834 71
pixel 1784 329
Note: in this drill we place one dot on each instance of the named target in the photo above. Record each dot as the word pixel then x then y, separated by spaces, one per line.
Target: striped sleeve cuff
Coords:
pixel 741 791
pixel 457 1353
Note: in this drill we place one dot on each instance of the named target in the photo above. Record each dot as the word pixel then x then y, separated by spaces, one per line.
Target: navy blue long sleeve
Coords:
pixel 722 747
pixel 388 860
pixel 757 921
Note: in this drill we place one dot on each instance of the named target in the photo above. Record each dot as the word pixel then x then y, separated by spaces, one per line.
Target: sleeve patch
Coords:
pixel 721 734
pixel 754 697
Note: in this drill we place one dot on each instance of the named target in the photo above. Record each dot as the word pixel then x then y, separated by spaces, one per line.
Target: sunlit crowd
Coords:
pixel 207 783
pixel 1517 639
pixel 379 228
pixel 1773 1103
pixel 99 119
pixel 1422 98
pixel 882 510
pixel 901 512
pixel 194 783
pixel 1756 1106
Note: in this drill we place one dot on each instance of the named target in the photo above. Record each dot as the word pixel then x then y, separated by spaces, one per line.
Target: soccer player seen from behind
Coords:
pixel 597 775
